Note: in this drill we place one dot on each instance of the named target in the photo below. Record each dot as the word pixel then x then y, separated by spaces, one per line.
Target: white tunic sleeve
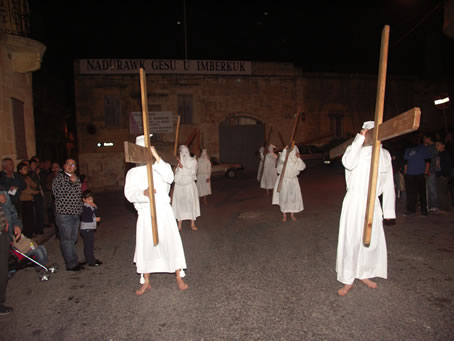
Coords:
pixel 351 158
pixel 134 187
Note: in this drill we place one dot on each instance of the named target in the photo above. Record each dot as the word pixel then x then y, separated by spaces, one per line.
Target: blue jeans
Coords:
pixel 68 228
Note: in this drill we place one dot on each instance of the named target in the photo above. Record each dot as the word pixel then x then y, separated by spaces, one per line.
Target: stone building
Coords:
pixel 231 104
pixel 19 57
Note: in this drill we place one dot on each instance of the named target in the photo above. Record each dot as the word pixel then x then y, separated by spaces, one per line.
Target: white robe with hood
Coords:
pixel 204 174
pixel 289 199
pixel 168 255
pixel 269 169
pixel 185 199
pixel 262 158
pixel 354 260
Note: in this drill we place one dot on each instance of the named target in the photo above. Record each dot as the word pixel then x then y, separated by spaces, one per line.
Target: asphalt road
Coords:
pixel 250 276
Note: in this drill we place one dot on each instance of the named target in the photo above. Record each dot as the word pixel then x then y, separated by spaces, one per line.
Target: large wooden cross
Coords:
pixel 139 154
pixel 399 125
pixel 290 146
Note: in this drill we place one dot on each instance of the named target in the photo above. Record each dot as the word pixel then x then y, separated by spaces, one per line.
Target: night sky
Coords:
pixel 321 39
pixel 318 39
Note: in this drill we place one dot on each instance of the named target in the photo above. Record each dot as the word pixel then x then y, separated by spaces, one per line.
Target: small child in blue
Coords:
pixel 88 222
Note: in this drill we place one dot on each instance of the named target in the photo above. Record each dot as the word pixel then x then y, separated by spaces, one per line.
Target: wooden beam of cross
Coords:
pixel 399 125
pixel 290 146
pixel 177 136
pixel 138 154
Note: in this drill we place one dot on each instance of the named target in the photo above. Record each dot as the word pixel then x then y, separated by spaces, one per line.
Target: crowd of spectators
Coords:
pixel 424 172
pixel 29 186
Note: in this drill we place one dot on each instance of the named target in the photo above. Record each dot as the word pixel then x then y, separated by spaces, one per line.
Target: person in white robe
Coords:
pixel 204 176
pixel 354 260
pixel 185 199
pixel 168 254
pixel 289 199
pixel 269 170
pixel 262 158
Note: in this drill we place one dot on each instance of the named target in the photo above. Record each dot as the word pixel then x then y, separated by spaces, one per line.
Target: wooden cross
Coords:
pixel 177 137
pixel 291 144
pixel 399 125
pixel 139 154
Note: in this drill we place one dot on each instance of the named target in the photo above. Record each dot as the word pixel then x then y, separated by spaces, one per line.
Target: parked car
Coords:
pixel 312 154
pixel 230 170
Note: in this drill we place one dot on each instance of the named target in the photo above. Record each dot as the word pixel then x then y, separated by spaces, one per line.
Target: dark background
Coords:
pixel 323 38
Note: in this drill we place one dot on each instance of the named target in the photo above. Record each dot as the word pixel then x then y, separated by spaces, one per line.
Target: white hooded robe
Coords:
pixel 269 169
pixel 354 260
pixel 204 174
pixel 262 158
pixel 185 199
pixel 168 255
pixel 289 199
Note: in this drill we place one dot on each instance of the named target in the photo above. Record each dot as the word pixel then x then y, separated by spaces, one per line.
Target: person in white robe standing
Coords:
pixel 269 175
pixel 204 176
pixel 185 200
pixel 168 254
pixel 289 199
pixel 354 260
pixel 262 158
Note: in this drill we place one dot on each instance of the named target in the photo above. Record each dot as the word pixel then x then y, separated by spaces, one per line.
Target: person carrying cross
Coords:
pixel 354 260
pixel 168 254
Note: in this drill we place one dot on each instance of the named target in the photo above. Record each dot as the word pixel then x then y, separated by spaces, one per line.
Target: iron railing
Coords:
pixel 15 17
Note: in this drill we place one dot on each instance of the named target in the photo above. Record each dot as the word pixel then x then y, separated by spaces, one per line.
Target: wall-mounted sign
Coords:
pixel 166 66
pixel 159 122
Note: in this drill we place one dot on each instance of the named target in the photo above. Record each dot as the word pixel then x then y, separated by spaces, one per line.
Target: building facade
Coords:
pixel 19 57
pixel 225 106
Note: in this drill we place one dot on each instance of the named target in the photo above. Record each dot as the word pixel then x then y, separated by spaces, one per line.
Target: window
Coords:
pixel 19 128
pixel 185 108
pixel 112 112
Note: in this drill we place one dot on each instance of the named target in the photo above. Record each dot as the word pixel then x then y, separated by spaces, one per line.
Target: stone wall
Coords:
pixel 271 94
pixel 18 57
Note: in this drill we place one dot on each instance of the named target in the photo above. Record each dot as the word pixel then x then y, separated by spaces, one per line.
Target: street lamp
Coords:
pixel 442 102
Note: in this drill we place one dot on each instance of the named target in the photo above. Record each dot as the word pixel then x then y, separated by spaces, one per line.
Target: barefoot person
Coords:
pixel 168 254
pixel 269 175
pixel 185 199
pixel 354 260
pixel 204 176
pixel 289 199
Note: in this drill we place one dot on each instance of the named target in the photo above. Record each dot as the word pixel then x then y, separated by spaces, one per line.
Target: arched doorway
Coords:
pixel 240 137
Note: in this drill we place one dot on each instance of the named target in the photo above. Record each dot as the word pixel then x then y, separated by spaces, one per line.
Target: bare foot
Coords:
pixel 284 218
pixel 143 288
pixel 179 225
pixel 343 291
pixel 194 228
pixel 369 283
pixel 293 217
pixel 181 284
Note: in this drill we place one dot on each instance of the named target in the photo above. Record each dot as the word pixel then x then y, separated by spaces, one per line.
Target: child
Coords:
pixel 88 221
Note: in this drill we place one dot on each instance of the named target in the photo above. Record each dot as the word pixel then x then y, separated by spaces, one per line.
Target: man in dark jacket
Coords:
pixel 10 227
pixel 66 188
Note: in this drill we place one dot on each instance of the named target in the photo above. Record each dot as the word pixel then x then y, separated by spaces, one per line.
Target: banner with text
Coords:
pixel 159 122
pixel 165 66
